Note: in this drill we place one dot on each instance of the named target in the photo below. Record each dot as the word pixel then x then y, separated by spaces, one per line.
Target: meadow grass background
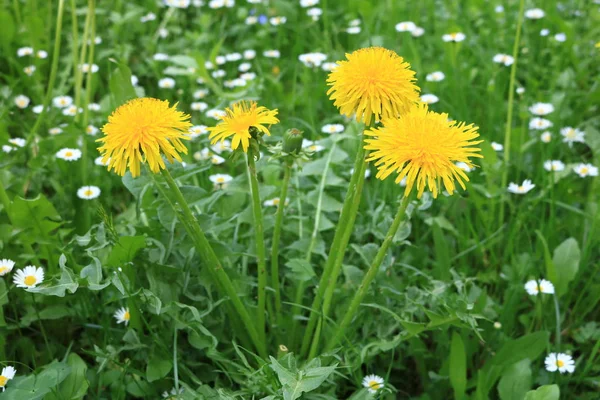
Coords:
pixel 447 315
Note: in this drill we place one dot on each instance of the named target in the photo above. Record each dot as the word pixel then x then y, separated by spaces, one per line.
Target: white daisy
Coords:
pixel 7 149
pixel 215 113
pixel 94 107
pixel 160 57
pixel 88 192
pixel 546 137
pixel 417 32
pixel 29 277
pixel 271 53
pixel 554 165
pixel 216 160
pixel 22 101
pixel 166 83
pixel 29 70
pixel 534 13
pixel 220 179
pixel 454 37
pixel 436 76
pixel 221 146
pixel 429 98
pixel 62 101
pixel 85 68
pixel 232 57
pixel 200 93
pixel 584 170
pixel 244 67
pixel 98 161
pixel 497 146
pixel 6 266
pixel 373 383
pixel 219 73
pixel 560 37
pixel 122 315
pixel 572 135
pixel 523 188
pixel 499 9
pixel 534 287
pixel 274 202
pixel 311 146
pixel 464 166
pixel 91 130
pixel 148 17
pixel 332 128
pixel 71 111
pixel 275 21
pixel 248 76
pixel 24 51
pixel 328 66
pixel 68 154
pixel 19 142
pixel 544 32
pixel 312 59
pixel 539 124
pixel 560 362
pixel 308 3
pixel 8 373
pixel 314 13
pixel 249 54
pixel 520 90
pixel 406 26
pixel 353 30
pixel 504 59
pixel 198 130
pixel 541 108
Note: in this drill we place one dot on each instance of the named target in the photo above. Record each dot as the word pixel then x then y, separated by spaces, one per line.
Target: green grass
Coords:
pixel 446 316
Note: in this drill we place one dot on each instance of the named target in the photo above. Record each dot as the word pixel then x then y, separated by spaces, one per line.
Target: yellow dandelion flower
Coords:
pixel 423 146
pixel 238 120
pixel 373 82
pixel 142 130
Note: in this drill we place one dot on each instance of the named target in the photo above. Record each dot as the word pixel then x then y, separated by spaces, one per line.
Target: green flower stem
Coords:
pixel 511 97
pixel 213 264
pixel 301 288
pixel 338 248
pixel 339 258
pixel 260 246
pixel 37 314
pixel 7 203
pixel 53 71
pixel 287 173
pixel 370 275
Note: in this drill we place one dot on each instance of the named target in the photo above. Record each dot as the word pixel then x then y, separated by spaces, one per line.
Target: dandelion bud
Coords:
pixel 292 141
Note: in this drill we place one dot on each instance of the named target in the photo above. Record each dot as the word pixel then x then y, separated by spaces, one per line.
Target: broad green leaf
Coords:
pixel 125 250
pixel 76 385
pixel 157 369
pixel 93 274
pixel 546 392
pixel 300 269
pixel 36 387
pixel 458 366
pixel 566 262
pixel 65 283
pixel 296 382
pixel 121 88
pixel 516 381
pixel 37 218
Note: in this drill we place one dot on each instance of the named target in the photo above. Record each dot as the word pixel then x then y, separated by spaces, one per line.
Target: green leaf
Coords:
pixel 516 381
pixel 296 382
pixel 157 369
pixel 35 217
pixel 65 283
pixel 76 385
pixel 566 262
pixel 125 250
pixel 121 88
pixel 546 392
pixel 36 387
pixel 93 274
pixel 300 269
pixel 458 366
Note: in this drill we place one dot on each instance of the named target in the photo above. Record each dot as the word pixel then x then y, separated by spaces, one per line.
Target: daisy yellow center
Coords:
pixel 144 130
pixel 560 363
pixel 540 123
pixel 374 385
pixel 3 381
pixel 68 154
pixel 453 35
pixel 313 148
pixel 126 316
pixel 62 102
pixel 584 170
pixel 220 180
pixel 3 269
pixel 88 192
pixel 275 201
pixel 521 188
pixel 571 134
pixel 30 280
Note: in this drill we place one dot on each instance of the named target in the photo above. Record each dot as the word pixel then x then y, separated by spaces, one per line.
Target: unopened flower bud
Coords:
pixel 292 141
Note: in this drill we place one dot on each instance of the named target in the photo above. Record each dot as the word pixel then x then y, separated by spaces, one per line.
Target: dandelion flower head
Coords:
pixel 142 130
pixel 238 120
pixel 424 147
pixel 372 82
